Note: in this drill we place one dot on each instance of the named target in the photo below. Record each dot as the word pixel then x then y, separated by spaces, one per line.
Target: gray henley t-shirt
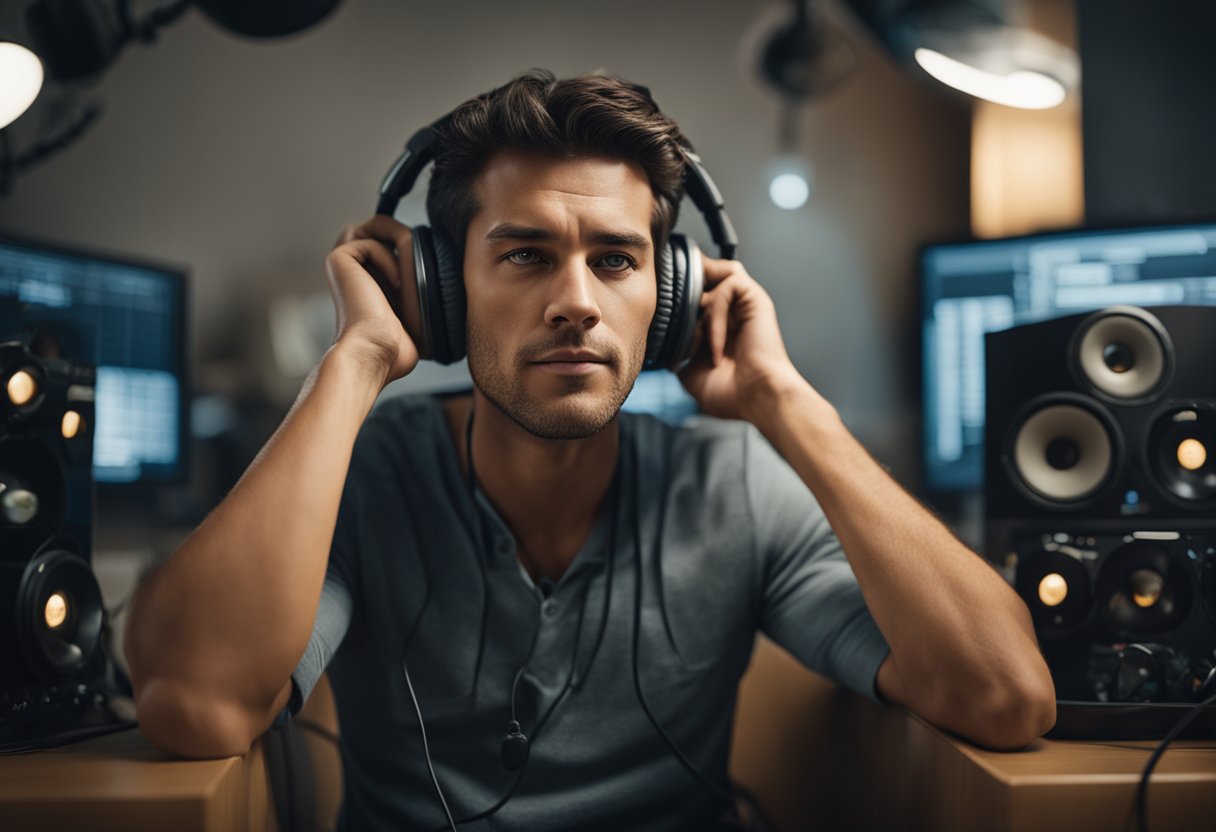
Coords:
pixel 729 541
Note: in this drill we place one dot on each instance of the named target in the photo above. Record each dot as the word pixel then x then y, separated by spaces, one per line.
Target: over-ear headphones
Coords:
pixel 438 265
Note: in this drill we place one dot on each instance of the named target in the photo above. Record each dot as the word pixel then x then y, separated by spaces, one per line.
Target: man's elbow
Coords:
pixel 1013 715
pixel 185 723
pixel 1019 720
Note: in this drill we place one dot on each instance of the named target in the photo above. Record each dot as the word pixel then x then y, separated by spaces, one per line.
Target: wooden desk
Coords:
pixel 821 758
pixel 816 757
pixel 120 782
pixel 933 781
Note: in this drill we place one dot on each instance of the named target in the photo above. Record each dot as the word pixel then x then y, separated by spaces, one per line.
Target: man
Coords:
pixel 526 561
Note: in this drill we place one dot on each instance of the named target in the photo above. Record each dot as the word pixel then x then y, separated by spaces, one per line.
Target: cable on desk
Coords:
pixel 1142 791
pixel 64 738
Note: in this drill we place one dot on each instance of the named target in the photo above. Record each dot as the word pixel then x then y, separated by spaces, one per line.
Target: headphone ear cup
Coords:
pixel 448 321
pixel 661 323
pixel 681 277
pixel 426 280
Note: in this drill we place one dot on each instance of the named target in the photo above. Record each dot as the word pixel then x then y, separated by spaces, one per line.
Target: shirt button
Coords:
pixel 549 608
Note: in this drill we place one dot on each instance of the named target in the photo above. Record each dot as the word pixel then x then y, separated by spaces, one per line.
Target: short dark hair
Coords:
pixel 587 115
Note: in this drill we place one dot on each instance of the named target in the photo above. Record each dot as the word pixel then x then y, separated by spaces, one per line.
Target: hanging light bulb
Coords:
pixel 790 182
pixel 801 59
pixel 20 81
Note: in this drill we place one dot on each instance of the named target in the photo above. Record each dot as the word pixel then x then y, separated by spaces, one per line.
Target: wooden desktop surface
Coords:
pixel 817 758
pixel 120 782
pixel 821 758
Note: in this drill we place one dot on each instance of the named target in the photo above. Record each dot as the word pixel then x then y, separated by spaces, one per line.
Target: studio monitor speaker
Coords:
pixel 1100 491
pixel 51 614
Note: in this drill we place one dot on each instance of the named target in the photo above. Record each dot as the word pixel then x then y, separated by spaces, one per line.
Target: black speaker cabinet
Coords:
pixel 1101 496
pixel 51 613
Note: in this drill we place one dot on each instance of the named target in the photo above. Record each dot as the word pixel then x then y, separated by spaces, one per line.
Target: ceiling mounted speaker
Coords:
pixel 1124 353
pixel 1063 452
pixel 266 18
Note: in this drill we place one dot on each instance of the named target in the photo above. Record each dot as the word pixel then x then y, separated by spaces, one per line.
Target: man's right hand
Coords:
pixel 371 279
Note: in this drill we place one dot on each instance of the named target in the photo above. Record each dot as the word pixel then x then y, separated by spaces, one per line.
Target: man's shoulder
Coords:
pixel 401 422
pixel 407 407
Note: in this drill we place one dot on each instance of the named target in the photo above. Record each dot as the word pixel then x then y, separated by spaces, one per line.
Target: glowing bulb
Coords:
pixel 1147 586
pixel 71 424
pixel 1053 589
pixel 21 388
pixel 1021 88
pixel 22 74
pixel 789 191
pixel 56 611
pixel 1192 454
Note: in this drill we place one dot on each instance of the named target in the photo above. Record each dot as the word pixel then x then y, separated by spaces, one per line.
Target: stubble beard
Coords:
pixel 569 415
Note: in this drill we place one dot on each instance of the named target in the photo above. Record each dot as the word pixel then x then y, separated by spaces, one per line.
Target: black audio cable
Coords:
pixel 1142 791
pixel 637 615
pixel 573 679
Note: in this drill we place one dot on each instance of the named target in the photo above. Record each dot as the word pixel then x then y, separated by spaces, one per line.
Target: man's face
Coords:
pixel 559 271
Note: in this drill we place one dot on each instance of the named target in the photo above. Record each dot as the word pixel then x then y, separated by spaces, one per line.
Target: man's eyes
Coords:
pixel 615 262
pixel 618 262
pixel 523 257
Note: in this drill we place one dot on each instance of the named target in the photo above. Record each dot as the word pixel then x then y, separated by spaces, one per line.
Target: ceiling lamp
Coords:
pixel 1014 67
pixel 801 58
pixel 977 47
pixel 75 41
pixel 20 80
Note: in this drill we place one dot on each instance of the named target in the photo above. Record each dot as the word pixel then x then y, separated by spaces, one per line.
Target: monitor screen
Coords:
pixel 660 394
pixel 968 289
pixel 126 317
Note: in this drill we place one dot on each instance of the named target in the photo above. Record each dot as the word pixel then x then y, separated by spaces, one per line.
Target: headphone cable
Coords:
pixel 573 680
pixel 426 749
pixel 637 615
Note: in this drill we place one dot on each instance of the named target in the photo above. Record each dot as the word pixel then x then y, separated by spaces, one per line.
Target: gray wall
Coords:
pixel 243 159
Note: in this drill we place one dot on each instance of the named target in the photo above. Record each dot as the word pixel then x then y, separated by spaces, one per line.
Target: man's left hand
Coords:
pixel 741 358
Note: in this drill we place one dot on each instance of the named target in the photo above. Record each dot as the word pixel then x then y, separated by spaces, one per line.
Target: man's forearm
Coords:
pixel 961 640
pixel 230 612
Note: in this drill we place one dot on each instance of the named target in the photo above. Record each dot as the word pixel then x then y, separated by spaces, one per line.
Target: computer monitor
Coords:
pixel 659 393
pixel 971 288
pixel 127 317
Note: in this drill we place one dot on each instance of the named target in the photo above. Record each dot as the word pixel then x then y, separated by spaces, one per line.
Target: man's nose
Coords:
pixel 573 300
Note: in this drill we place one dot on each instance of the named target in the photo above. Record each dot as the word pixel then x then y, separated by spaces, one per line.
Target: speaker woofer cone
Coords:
pixel 1056 587
pixel 1144 590
pixel 1063 451
pixel 58 648
pixel 1123 353
pixel 28 465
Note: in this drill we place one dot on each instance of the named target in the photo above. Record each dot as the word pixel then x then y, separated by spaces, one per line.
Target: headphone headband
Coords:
pixel 698 185
pixel 400 179
pixel 439 273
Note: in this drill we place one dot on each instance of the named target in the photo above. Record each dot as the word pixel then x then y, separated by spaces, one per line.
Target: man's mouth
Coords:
pixel 572 357
pixel 570 362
